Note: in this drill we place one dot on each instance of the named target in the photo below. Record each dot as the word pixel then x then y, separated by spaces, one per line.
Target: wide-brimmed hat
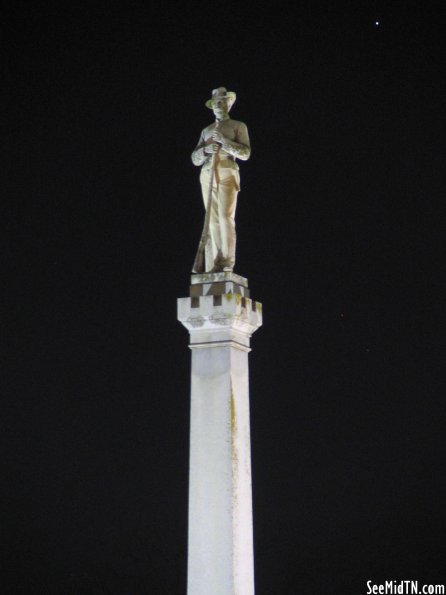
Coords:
pixel 222 93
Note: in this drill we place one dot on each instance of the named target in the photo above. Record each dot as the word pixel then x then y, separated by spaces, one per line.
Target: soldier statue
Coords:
pixel 220 145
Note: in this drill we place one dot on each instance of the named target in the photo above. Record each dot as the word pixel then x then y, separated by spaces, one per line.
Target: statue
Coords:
pixel 220 144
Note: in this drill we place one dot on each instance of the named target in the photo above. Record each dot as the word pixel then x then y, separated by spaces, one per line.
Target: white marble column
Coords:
pixel 220 318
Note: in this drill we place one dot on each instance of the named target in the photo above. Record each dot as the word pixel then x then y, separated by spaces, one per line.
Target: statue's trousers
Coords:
pixel 225 187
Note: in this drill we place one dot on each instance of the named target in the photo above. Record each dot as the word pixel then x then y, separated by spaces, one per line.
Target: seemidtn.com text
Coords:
pixel 403 588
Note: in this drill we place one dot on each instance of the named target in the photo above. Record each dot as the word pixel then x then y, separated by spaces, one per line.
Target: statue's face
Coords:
pixel 220 107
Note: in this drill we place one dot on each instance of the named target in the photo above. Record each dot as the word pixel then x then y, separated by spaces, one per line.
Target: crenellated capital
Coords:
pixel 219 310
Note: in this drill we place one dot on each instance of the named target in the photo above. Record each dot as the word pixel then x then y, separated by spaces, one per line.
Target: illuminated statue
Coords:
pixel 220 144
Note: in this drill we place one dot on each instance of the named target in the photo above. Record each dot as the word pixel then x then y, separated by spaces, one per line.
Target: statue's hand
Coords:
pixel 218 137
pixel 211 149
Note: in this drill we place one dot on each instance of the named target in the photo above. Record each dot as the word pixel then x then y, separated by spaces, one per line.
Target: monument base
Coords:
pixel 221 318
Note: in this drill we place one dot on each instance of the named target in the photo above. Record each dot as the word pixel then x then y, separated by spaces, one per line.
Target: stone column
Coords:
pixel 220 317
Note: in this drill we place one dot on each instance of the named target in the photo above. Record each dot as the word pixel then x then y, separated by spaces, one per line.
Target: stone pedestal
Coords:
pixel 220 317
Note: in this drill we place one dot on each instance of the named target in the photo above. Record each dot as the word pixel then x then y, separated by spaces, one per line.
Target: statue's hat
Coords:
pixel 221 93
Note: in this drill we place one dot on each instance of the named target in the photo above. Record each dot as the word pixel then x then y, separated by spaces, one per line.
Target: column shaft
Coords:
pixel 220 549
pixel 220 317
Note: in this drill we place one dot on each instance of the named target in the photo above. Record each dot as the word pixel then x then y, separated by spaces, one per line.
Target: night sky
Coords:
pixel 339 233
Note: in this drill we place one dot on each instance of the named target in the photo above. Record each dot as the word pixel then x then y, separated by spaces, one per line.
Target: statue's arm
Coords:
pixel 198 154
pixel 239 148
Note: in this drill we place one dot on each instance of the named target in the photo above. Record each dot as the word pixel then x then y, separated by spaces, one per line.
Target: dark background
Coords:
pixel 339 232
